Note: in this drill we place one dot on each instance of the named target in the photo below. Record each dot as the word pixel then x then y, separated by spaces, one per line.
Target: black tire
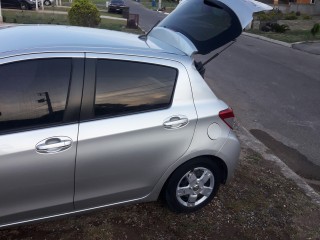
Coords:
pixel 47 3
pixel 24 6
pixel 178 179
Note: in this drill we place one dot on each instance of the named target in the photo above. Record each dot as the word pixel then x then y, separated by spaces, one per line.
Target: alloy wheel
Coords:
pixel 195 187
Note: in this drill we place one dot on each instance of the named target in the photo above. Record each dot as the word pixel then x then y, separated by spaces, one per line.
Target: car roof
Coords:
pixel 22 39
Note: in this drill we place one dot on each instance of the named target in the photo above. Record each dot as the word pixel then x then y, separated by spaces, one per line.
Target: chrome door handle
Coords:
pixel 54 145
pixel 175 122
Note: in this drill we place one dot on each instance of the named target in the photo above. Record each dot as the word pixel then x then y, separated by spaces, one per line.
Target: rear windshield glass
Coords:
pixel 208 24
pixel 117 2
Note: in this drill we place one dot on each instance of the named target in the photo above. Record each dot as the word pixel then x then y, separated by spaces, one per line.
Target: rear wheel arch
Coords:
pixel 218 161
pixel 221 164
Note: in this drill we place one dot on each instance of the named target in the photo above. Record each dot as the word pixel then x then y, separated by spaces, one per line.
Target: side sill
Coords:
pixel 73 212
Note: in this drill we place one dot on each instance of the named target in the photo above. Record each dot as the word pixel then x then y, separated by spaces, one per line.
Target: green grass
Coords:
pixel 55 8
pixel 290 36
pixel 33 17
pixel 99 2
pixel 275 15
pixel 170 5
pixel 103 11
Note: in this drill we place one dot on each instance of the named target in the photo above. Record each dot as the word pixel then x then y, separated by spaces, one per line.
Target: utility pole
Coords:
pixel 37 5
pixel 159 7
pixel 47 100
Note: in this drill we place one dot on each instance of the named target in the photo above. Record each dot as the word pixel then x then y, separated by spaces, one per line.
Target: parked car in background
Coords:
pixel 88 120
pixel 48 2
pixel 20 4
pixel 115 6
pixel 39 2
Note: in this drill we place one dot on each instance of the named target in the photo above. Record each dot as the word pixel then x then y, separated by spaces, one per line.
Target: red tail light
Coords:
pixel 227 116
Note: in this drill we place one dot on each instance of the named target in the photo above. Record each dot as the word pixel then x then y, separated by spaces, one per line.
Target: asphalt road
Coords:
pixel 274 91
pixel 147 18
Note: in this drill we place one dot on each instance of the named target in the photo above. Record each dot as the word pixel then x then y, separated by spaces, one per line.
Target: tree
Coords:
pixel 84 13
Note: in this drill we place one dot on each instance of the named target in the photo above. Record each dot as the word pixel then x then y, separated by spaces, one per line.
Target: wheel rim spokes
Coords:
pixel 195 187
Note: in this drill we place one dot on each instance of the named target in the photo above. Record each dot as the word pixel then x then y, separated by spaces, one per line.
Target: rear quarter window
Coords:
pixel 124 87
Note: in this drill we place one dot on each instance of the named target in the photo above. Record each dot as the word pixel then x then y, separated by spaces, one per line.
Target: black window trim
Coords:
pixel 89 92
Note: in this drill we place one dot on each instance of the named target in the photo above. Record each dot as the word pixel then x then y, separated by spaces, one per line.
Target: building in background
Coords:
pixel 311 7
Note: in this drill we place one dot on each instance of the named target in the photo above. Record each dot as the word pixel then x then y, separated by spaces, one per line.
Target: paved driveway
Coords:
pixel 148 18
pixel 275 92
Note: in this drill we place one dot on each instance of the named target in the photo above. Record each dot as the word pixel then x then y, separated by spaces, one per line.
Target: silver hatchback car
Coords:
pixel 93 118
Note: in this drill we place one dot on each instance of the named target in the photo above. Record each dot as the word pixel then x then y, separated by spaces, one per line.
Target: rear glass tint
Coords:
pixel 208 24
pixel 124 87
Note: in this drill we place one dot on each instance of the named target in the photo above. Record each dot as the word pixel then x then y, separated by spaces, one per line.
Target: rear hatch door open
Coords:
pixel 202 26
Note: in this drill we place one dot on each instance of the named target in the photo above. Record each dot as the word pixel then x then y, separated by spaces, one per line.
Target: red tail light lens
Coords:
pixel 227 116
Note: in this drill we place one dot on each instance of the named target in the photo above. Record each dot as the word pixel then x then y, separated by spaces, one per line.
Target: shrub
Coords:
pixel 279 28
pixel 275 27
pixel 290 16
pixel 84 13
pixel 306 17
pixel 269 16
pixel 298 13
pixel 315 30
pixel 266 28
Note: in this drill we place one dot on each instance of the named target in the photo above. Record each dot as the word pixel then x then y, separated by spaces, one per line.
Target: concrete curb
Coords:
pixel 250 141
pixel 268 39
pixel 295 45
pixel 308 47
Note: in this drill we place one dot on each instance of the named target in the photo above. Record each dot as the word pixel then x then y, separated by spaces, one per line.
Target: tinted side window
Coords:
pixel 33 93
pixel 129 87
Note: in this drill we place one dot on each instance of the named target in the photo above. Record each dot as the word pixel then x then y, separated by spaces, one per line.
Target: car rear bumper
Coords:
pixel 116 8
pixel 230 153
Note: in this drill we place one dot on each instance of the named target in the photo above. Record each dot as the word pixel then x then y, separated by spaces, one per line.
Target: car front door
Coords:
pixel 137 118
pixel 40 98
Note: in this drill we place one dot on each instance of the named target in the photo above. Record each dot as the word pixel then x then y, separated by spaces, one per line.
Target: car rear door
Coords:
pixel 202 26
pixel 40 98
pixel 137 119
